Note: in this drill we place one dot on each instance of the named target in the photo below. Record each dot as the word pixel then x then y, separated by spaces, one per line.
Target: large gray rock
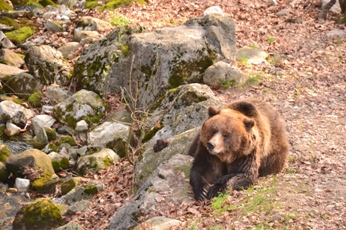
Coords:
pixel 179 110
pixel 92 69
pixel 168 185
pixel 147 64
pixel 38 168
pixel 10 110
pixel 222 73
pixel 48 64
pixel 22 85
pixel 113 135
pixel 91 24
pixel 6 70
pixel 96 161
pixel 9 57
pixel 83 105
pixel 158 223
pixel 179 144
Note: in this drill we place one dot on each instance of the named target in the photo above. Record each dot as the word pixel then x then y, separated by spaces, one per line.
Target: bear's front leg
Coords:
pixel 234 181
pixel 200 188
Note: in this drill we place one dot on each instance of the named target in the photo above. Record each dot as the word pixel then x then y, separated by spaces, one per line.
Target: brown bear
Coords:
pixel 235 146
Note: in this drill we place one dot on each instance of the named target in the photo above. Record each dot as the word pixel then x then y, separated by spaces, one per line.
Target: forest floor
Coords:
pixel 304 79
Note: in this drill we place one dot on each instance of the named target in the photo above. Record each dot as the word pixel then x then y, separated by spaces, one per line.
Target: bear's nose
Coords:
pixel 210 145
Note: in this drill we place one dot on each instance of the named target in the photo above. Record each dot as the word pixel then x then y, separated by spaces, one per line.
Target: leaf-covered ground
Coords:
pixel 305 79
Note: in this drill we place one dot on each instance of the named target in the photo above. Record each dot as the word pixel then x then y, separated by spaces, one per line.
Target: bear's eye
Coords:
pixel 225 135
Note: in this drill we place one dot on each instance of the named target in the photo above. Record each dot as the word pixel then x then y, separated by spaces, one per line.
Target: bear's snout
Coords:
pixel 210 145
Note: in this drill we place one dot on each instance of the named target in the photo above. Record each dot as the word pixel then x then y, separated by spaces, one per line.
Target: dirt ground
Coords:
pixel 305 79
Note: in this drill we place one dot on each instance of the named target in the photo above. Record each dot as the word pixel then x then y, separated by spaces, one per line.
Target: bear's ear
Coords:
pixel 249 123
pixel 212 111
pixel 246 108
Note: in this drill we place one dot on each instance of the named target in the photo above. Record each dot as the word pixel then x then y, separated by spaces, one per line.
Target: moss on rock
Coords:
pixel 35 99
pixel 8 21
pixel 41 214
pixel 19 36
pixel 5 152
pixel 45 3
pixel 69 185
pixel 113 4
pixel 66 139
pixel 90 190
pixel 5 6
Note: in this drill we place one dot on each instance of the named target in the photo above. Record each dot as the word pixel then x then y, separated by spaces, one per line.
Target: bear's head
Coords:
pixel 228 134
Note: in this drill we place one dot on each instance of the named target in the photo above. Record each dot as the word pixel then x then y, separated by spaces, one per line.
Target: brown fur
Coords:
pixel 236 145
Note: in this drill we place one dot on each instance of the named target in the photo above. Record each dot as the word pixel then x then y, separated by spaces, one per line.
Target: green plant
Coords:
pixel 253 79
pixel 227 84
pixel 218 204
pixel 243 60
pixel 117 19
pixel 271 39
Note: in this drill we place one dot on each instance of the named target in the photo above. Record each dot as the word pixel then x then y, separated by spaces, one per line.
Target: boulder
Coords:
pixel 9 57
pixel 11 111
pixel 178 110
pixel 96 161
pixel 147 64
pixel 251 55
pixel 22 85
pixel 83 105
pixel 48 64
pixel 166 187
pixel 92 70
pixel 91 24
pixel 223 74
pixel 113 135
pixel 6 70
pixel 68 49
pixel 158 223
pixel 59 162
pixel 70 226
pixel 41 214
pixel 56 93
pixel 178 144
pixel 38 168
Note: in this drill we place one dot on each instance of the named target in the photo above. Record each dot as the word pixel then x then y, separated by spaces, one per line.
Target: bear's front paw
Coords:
pixel 215 190
pixel 202 194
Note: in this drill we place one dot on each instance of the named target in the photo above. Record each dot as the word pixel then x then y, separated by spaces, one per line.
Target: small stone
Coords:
pixel 22 184
pixel 213 10
pixel 11 129
pixel 82 126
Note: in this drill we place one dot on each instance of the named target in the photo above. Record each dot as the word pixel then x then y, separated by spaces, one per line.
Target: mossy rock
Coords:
pixel 8 21
pixel 5 152
pixel 22 85
pixel 26 3
pixel 3 173
pixel 69 185
pixel 32 158
pixel 90 190
pixel 61 139
pixel 51 134
pixel 113 4
pixel 45 184
pixel 45 3
pixel 19 36
pixel 59 161
pixel 35 99
pixel 5 6
pixel 41 214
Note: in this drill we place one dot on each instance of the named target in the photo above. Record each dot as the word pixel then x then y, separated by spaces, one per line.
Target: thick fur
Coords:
pixel 235 146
